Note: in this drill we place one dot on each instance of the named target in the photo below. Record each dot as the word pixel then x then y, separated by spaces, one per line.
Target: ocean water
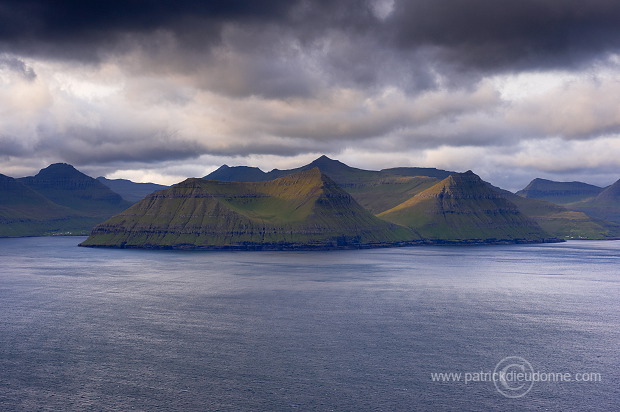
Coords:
pixel 369 330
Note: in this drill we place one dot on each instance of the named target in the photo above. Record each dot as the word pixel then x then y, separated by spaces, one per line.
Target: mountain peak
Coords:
pixel 326 161
pixel 462 183
pixel 65 185
pixel 323 158
pixel 464 207
pixel 56 170
pixel 237 174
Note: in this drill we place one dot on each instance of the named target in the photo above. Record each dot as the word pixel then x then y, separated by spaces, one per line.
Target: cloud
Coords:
pixel 18 66
pixel 510 35
pixel 461 84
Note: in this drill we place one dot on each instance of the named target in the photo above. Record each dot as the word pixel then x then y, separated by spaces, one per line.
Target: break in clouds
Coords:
pixel 164 90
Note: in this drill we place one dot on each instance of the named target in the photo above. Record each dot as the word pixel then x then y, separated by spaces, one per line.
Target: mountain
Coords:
pixel 418 171
pixel 335 169
pixel 24 212
pixel 561 222
pixel 464 208
pixel 305 210
pixel 131 191
pixel 559 192
pixel 58 200
pixel 226 173
pixel 606 205
pixel 380 191
pixel 577 210
pixel 64 185
pixel 376 191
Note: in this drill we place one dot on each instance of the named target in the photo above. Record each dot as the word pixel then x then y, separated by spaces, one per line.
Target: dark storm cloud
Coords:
pixel 510 34
pixel 468 34
pixel 83 29
pixel 66 20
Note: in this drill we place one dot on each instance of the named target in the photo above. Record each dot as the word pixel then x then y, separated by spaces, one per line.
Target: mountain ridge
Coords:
pixel 306 210
pixel 131 191
pixel 379 191
pixel 559 192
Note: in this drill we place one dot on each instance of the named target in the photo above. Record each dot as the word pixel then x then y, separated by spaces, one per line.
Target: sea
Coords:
pixel 446 328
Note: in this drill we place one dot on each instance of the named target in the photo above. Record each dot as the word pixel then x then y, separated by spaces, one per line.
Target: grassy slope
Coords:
pixel 303 210
pixel 463 207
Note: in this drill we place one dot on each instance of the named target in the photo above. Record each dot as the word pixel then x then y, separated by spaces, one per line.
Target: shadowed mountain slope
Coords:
pixel 131 191
pixel 335 169
pixel 58 200
pixel 63 184
pixel 561 222
pixel 24 212
pixel 606 205
pixel 464 208
pixel 226 173
pixel 306 210
pixel 418 171
pixel 559 192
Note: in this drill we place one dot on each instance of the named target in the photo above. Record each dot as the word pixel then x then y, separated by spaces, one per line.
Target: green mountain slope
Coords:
pixel 463 208
pixel 63 184
pixel 559 192
pixel 306 210
pixel 131 191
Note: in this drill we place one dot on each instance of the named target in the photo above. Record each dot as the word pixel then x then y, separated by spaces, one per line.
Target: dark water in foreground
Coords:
pixel 95 329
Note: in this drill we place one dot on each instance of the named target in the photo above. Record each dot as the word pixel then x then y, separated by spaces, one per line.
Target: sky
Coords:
pixel 163 90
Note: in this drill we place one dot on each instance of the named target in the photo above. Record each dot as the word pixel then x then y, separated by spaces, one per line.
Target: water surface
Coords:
pixel 102 329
